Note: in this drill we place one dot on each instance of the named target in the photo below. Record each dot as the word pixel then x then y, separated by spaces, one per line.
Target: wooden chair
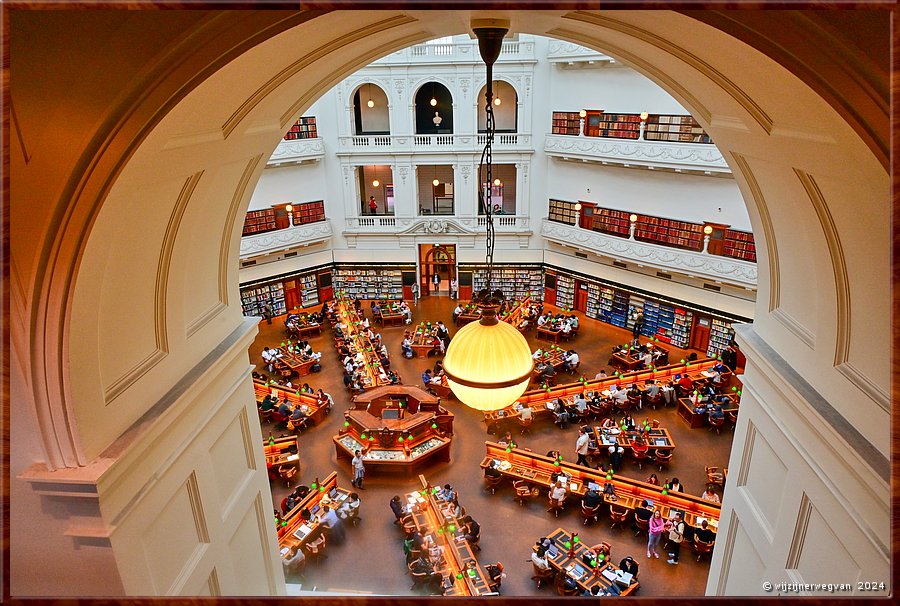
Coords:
pixel 418 578
pixel 492 482
pixel 634 402
pixel 641 525
pixel 316 549
pixel 264 415
pixel 287 473
pixel 542 576
pixel 715 477
pixel 525 424
pixel 590 513
pixel 702 548
pixel 619 515
pixel 560 584
pixel 732 419
pixel 716 423
pixel 639 454
pixel 408 523
pixel 524 492
pixel 623 407
pixel 654 401
pixel 663 458
pixel 555 506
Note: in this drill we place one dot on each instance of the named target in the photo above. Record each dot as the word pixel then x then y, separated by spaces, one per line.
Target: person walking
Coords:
pixel 657 525
pixel 415 293
pixel 581 447
pixel 436 280
pixel 359 470
pixel 373 206
pixel 454 286
pixel 638 324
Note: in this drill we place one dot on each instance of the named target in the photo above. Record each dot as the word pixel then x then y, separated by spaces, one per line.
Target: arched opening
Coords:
pixel 433 109
pixel 506 107
pixel 815 188
pixel 371 114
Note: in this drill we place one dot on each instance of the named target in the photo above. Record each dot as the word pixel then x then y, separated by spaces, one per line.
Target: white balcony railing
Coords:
pixel 437 224
pixel 297 151
pixel 380 144
pixel 639 152
pixel 458 52
pixel 282 239
pixel 696 264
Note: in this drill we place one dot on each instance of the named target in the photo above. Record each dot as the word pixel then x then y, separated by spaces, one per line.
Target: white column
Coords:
pixel 464 192
pixel 405 194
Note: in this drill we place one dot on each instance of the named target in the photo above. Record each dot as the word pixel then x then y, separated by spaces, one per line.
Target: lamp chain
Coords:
pixel 486 161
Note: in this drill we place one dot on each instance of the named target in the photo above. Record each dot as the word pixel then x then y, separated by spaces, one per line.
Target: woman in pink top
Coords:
pixel 657 525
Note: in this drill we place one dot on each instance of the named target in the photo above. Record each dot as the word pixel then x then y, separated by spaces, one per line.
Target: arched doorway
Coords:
pixel 119 228
pixel 433 108
pixel 371 114
pixel 437 268
pixel 506 107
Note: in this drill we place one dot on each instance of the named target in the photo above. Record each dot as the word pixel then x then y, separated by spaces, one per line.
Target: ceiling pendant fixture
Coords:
pixel 497 100
pixel 488 363
pixel 370 103
pixel 433 101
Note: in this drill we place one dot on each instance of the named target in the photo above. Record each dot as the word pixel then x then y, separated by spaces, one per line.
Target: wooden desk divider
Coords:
pixel 519 464
pixel 314 411
pixel 318 496
pixel 431 519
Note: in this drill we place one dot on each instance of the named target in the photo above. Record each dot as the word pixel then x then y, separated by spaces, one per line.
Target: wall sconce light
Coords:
pixel 633 218
pixel 708 230
pixel 644 116
pixel 582 113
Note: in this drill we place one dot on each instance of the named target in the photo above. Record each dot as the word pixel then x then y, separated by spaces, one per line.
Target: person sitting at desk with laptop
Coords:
pixel 558 493
pixel 704 533
pixel 591 497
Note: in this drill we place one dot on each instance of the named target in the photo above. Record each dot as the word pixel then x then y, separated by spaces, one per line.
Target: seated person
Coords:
pixel 652 389
pixel 423 566
pixel 472 529
pixel 685 384
pixel 629 565
pixel 704 533
pixel 643 511
pixel 709 495
pixel 571 360
pixel 628 420
pixel 446 493
pixel 565 328
pixel 492 472
pixel 558 493
pixel 426 376
pixel 553 454
pixel 298 413
pixel 717 412
pixel 538 354
pixel 456 311
pixel 591 499
pixel 284 409
pixel 268 403
pixel 539 557
pixel 495 576
pixel 526 413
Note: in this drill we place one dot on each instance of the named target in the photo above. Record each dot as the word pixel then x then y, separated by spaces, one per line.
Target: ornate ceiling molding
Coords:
pixel 273 241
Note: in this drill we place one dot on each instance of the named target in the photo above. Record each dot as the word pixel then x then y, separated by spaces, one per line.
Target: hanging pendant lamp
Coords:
pixel 488 363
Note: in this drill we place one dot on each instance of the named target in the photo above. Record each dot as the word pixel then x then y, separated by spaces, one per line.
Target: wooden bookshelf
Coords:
pixel 613 126
pixel 368 283
pixel 739 245
pixel 720 335
pixel 565 291
pixel 566 123
pixel 257 221
pixel 304 128
pixel 611 221
pixel 253 299
pixel 561 211
pixel 674 129
pixel 309 212
pixel 670 232
pixel 516 282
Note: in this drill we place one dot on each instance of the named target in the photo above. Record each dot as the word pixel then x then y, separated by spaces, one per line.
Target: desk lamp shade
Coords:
pixel 488 364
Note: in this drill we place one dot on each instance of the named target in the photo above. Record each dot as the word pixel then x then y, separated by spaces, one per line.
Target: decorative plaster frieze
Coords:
pixel 273 241
pixel 702 265
pixel 297 151
pixel 689 156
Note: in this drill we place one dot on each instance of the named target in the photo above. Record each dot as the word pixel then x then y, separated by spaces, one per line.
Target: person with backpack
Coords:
pixel 676 537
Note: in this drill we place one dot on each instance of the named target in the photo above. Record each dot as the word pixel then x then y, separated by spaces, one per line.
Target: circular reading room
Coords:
pixel 345 304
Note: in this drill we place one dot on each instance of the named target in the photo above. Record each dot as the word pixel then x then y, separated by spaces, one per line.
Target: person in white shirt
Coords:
pixel 573 320
pixel 647 359
pixel 566 328
pixel 581 447
pixel 558 493
pixel 526 413
pixel 365 323
pixel 601 374
pixel 572 360
pixel 580 403
pixel 537 355
pixel 269 357
pixel 541 320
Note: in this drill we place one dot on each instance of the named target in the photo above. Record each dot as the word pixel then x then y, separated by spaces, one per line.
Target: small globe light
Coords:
pixel 644 116
pixel 578 207
pixel 498 182
pixel 497 101
pixel 436 182
pixel 582 113
pixel 708 230
pixel 433 102
pixel 376 183
pixel 633 218
pixel 288 208
pixel 488 363
pixel 370 103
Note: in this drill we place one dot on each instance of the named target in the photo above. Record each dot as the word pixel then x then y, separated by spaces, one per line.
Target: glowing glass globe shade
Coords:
pixel 433 102
pixel 376 183
pixel 370 103
pixel 488 366
pixel 497 101
pixel 435 182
